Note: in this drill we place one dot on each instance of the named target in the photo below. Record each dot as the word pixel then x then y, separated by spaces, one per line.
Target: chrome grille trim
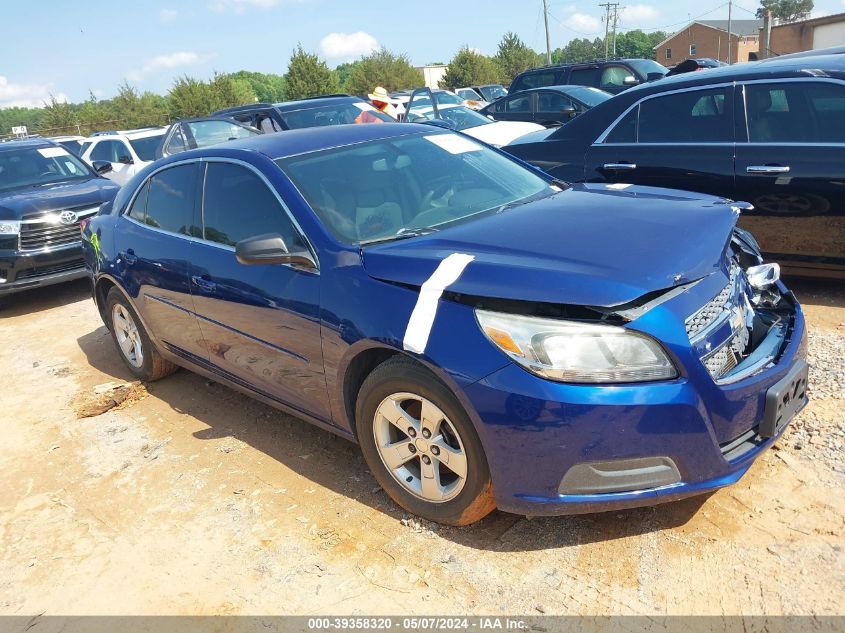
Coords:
pixel 709 314
pixel 45 232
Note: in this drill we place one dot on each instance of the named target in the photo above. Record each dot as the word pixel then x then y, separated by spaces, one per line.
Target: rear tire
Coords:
pixel 133 344
pixel 421 445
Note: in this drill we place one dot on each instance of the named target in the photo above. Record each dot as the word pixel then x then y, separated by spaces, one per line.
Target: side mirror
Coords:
pixel 568 111
pixel 102 166
pixel 270 248
pixel 630 80
pixel 125 160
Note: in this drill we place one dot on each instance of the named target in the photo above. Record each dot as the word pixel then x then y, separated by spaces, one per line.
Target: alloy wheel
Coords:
pixel 420 447
pixel 127 335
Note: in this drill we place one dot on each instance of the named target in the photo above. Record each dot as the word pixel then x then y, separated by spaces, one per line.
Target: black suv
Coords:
pixel 313 112
pixel 612 75
pixel 45 192
pixel 771 133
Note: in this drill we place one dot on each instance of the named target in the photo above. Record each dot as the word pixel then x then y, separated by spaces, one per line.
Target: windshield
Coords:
pixel 469 94
pixel 491 93
pixel 378 190
pixel 335 114
pixel 37 167
pixel 447 98
pixel 647 68
pixel 146 147
pixel 462 117
pixel 588 96
pixel 72 146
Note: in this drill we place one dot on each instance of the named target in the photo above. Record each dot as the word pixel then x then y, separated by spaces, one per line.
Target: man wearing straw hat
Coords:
pixel 382 102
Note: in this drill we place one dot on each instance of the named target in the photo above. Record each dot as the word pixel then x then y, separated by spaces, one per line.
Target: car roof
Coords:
pixel 316 102
pixel 26 143
pixel 306 140
pixel 770 68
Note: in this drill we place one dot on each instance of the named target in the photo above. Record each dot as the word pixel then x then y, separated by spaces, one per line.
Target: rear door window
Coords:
pixel 797 112
pixel 520 103
pixel 535 80
pixel 586 76
pixel 170 202
pixel 700 116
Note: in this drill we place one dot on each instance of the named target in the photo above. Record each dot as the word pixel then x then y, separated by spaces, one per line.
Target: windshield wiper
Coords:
pixel 403 233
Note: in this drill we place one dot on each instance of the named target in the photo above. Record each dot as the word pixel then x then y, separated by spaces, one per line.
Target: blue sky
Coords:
pixel 69 48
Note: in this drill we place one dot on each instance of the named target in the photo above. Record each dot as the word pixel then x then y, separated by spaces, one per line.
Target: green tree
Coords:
pixel 468 68
pixel 308 76
pixel 227 91
pixel 579 50
pixel 382 68
pixel 343 71
pixel 13 117
pixel 638 44
pixel 269 88
pixel 58 118
pixel 786 10
pixel 189 97
pixel 514 56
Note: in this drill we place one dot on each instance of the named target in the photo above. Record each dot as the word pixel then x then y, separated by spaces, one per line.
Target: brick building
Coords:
pixel 806 35
pixel 709 38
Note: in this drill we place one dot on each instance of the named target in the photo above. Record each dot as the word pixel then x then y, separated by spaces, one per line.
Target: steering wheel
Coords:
pixel 45 173
pixel 438 193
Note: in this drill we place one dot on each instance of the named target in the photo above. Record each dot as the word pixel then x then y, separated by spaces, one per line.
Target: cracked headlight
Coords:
pixel 569 351
pixel 10 227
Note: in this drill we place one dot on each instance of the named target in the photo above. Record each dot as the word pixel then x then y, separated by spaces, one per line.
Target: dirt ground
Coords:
pixel 189 498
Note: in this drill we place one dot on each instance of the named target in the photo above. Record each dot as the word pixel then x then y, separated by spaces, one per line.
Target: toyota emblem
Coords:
pixel 68 217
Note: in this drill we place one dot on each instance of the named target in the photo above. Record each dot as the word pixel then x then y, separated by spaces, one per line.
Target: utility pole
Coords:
pixel 615 20
pixel 608 7
pixel 548 42
pixel 730 36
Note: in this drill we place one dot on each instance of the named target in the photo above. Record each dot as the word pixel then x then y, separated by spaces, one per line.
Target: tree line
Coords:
pixel 307 76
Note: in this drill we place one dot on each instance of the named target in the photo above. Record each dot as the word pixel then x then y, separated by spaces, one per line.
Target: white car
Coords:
pixel 422 109
pixel 71 143
pixel 128 151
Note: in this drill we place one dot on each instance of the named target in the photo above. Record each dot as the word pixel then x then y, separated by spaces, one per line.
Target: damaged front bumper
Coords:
pixel 604 447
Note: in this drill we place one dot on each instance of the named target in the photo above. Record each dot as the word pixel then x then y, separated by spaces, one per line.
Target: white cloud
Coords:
pixel 583 23
pixel 347 45
pixel 164 62
pixel 634 13
pixel 241 6
pixel 13 95
pixel 168 16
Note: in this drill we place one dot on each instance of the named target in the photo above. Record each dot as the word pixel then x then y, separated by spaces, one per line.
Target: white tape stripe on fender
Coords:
pixel 422 318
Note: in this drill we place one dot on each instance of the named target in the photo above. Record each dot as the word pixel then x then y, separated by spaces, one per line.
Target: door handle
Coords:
pixel 129 257
pixel 767 169
pixel 206 285
pixel 619 166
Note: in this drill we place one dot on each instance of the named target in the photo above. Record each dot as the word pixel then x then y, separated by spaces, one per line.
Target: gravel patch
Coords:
pixel 818 433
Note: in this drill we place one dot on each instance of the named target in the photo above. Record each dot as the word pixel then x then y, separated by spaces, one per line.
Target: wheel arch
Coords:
pixel 364 359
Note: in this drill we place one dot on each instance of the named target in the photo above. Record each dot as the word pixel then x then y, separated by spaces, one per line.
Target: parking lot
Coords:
pixel 190 498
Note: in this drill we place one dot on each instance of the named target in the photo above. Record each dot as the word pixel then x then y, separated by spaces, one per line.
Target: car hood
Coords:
pixel 17 204
pixel 536 136
pixel 502 132
pixel 592 245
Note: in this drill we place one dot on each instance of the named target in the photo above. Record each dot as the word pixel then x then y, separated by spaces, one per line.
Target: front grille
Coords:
pixel 48 232
pixel 708 314
pixel 50 270
pixel 721 361
pixel 729 305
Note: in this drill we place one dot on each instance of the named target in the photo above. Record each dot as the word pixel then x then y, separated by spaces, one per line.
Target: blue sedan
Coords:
pixel 489 336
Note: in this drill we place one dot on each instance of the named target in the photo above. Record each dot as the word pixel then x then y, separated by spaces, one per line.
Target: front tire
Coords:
pixel 421 445
pixel 133 344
